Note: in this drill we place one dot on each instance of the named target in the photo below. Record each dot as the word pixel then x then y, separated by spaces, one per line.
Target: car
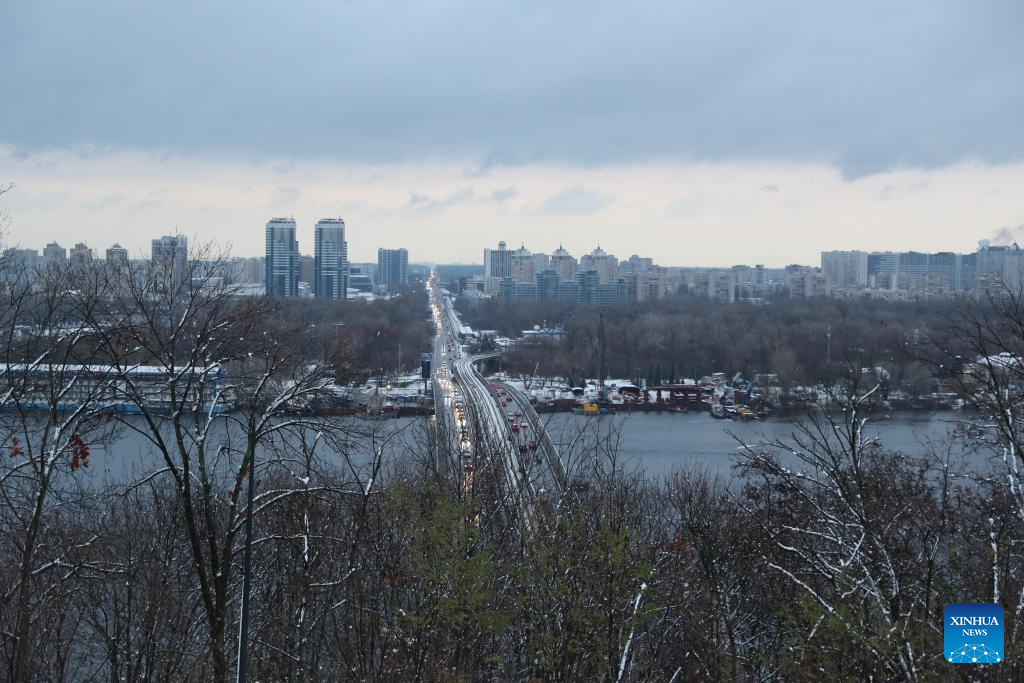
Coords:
pixel 515 427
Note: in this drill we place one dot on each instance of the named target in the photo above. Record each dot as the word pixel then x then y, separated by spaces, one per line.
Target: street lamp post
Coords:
pixel 243 629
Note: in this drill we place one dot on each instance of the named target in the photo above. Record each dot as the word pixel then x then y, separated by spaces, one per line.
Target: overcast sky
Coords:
pixel 697 133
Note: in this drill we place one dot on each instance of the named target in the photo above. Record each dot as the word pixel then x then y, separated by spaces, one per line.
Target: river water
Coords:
pixel 657 444
pixel 660 443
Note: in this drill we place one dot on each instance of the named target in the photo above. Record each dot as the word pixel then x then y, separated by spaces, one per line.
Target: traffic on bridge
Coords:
pixel 477 418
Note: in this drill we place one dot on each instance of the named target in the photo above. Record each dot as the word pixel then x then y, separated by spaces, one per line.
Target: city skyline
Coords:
pixel 933 210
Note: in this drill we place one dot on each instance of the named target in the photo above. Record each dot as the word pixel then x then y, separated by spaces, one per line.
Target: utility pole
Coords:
pixel 828 346
pixel 243 629
pixel 601 342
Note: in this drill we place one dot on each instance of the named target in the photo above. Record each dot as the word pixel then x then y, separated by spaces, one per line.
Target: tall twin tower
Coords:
pixel 330 259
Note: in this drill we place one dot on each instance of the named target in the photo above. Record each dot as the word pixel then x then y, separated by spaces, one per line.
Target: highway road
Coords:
pixel 477 418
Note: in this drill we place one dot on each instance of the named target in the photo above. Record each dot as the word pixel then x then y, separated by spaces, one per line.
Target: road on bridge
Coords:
pixel 504 419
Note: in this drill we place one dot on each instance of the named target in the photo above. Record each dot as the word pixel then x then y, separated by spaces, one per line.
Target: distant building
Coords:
pixel 393 269
pixel 639 264
pixel 599 260
pixel 307 269
pixel 563 263
pixel 54 253
pixel 523 265
pixel 999 265
pixel 714 285
pixel 846 268
pixel 117 255
pixel 909 270
pixel 805 282
pixel 80 257
pixel 170 253
pixel 497 267
pixel 282 260
pixel 360 281
pixel 331 276
pixel 25 261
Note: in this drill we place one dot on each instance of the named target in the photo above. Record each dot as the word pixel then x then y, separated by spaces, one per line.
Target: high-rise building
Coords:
pixel 563 263
pixel 604 263
pixel 497 267
pixel 80 257
pixel 24 261
pixel 331 259
pixel 307 270
pixel 54 253
pixel 170 254
pixel 883 262
pixel 804 282
pixel 1002 265
pixel 713 285
pixel 392 269
pixel 117 255
pixel 522 265
pixel 967 269
pixel 282 264
pixel 587 282
pixel 846 268
pixel 547 285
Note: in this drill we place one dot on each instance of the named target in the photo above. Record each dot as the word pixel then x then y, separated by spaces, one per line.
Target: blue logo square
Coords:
pixel 973 633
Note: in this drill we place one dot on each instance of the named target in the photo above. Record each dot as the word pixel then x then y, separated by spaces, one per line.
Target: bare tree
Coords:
pixel 53 409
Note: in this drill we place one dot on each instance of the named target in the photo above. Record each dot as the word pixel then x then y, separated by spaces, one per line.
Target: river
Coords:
pixel 660 443
pixel 656 443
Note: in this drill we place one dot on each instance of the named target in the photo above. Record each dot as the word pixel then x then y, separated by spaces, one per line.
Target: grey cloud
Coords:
pixel 1007 235
pixel 283 198
pixel 504 194
pixel 868 86
pixel 425 203
pixel 575 200
pixel 105 202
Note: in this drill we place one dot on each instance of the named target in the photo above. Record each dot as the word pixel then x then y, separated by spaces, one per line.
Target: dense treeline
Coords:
pixel 802 341
pixel 369 339
pixel 825 557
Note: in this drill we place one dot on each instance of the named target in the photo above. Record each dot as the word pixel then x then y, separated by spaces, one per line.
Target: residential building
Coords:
pixel 846 269
pixel 805 282
pixel 600 261
pixel 998 264
pixel 282 260
pixel 307 271
pixel 393 270
pixel 53 253
pixel 25 261
pixel 497 267
pixel 522 265
pixel 117 255
pixel 80 257
pixel 563 263
pixel 170 253
pixel 714 285
pixel 331 267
